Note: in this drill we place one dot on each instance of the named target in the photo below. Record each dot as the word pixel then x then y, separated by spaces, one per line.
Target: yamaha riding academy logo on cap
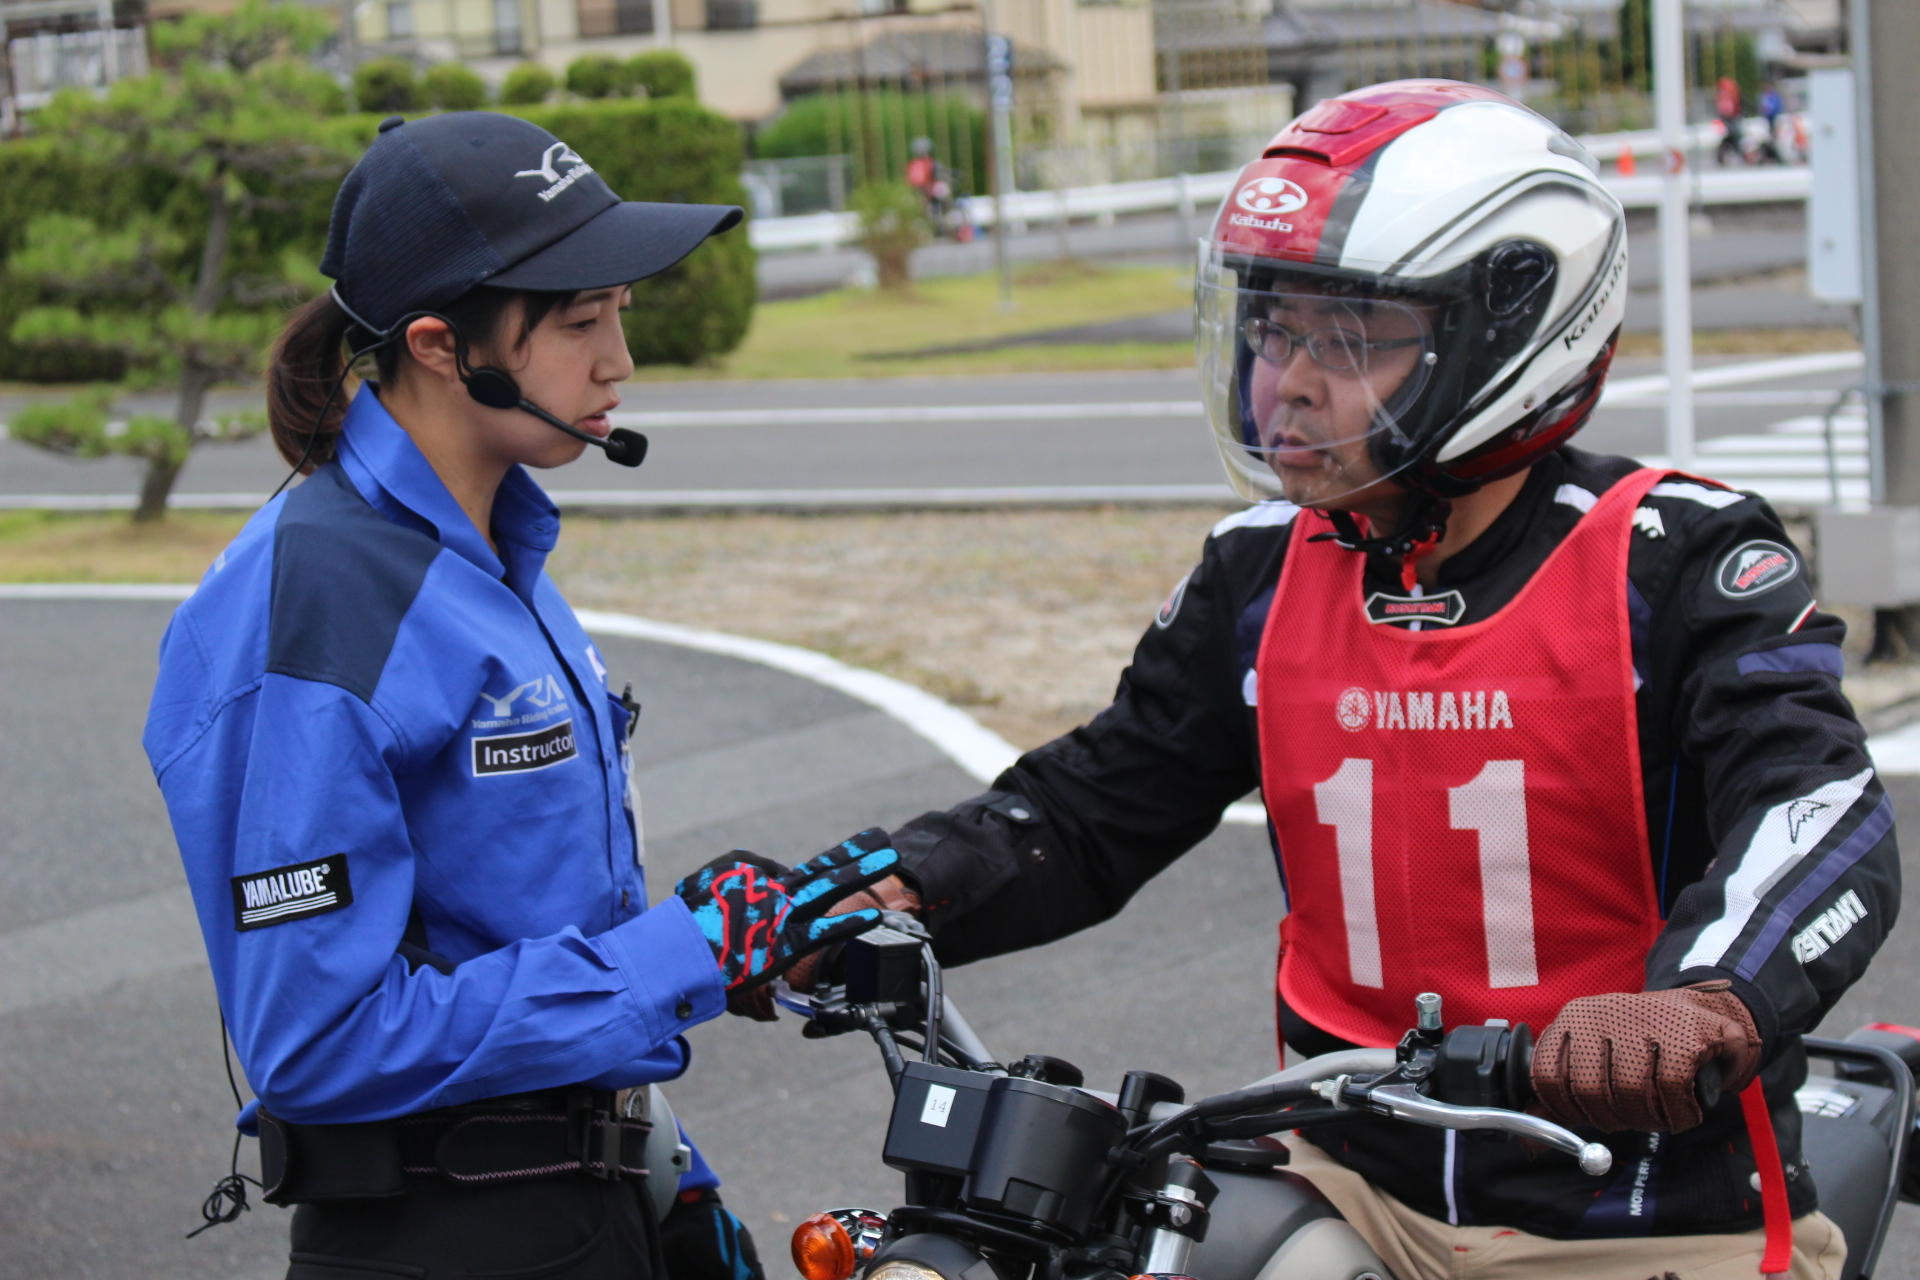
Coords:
pixel 291 893
pixel 548 170
pixel 1756 567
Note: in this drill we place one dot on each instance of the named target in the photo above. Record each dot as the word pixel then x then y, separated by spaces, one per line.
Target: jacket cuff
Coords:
pixel 669 968
pixel 1766 1020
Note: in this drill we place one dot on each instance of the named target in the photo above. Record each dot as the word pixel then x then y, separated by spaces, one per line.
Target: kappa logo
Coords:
pixel 291 893
pixel 548 170
pixel 540 693
pixel 1271 196
pixel 1359 709
pixel 1756 567
pixel 1829 927
pixel 1443 610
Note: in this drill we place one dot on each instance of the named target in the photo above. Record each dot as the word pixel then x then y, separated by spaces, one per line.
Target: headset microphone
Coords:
pixel 496 389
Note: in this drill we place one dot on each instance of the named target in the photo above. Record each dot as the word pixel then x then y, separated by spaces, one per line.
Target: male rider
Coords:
pixel 1555 736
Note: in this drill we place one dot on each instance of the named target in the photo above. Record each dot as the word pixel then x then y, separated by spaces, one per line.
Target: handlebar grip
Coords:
pixel 1707 1086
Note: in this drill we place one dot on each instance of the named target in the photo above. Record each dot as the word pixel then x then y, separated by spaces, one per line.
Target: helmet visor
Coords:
pixel 1301 374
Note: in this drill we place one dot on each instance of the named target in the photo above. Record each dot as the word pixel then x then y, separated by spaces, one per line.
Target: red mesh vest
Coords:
pixel 1458 809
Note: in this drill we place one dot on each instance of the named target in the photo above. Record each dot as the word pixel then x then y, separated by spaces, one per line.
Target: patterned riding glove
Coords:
pixel 760 918
pixel 701 1239
pixel 891 894
pixel 1629 1060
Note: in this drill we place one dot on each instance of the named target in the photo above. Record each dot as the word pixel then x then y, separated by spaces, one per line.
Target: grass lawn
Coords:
pixel 58 546
pixel 860 333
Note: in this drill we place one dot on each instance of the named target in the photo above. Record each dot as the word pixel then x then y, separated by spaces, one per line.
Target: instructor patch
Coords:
pixel 291 893
pixel 523 752
pixel 1756 567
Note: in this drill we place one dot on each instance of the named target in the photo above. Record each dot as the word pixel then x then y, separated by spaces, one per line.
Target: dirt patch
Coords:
pixel 1025 619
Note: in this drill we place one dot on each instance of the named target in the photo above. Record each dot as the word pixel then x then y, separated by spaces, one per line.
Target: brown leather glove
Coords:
pixel 891 894
pixel 1628 1060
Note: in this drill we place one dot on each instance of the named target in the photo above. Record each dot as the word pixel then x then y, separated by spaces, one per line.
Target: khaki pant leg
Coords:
pixel 1417 1247
pixel 1414 1246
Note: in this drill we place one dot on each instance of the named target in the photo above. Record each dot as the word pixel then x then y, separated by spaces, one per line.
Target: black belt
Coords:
pixel 553 1133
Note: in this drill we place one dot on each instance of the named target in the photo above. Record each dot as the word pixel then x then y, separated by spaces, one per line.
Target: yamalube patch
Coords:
pixel 291 893
pixel 1756 567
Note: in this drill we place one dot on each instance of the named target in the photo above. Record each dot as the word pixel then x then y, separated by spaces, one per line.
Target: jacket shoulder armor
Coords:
pixel 344 577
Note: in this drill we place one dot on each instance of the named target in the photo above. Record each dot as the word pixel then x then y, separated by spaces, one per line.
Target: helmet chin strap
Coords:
pixel 1425 523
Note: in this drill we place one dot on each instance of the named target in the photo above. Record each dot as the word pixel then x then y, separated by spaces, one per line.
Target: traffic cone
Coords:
pixel 1627 164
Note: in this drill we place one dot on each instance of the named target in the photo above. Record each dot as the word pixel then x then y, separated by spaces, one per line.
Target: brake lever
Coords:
pixel 1403 1101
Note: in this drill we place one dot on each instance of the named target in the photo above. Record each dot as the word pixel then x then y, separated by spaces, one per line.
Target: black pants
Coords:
pixel 565 1228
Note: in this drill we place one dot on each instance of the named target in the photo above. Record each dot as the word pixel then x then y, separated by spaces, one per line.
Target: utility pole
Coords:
pixel 1000 124
pixel 1886 39
pixel 1676 270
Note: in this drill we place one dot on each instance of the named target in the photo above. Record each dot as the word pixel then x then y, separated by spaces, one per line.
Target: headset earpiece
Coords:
pixel 494 388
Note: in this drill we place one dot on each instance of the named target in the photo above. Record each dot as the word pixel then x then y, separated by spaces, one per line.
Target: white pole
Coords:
pixel 109 52
pixel 1676 271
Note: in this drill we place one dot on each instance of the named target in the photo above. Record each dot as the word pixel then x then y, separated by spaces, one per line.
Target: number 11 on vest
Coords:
pixel 1493 805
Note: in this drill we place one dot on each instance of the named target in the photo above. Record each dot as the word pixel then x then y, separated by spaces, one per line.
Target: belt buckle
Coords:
pixel 596 1136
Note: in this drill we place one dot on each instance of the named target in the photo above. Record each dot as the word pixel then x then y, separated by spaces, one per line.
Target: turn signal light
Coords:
pixel 822 1249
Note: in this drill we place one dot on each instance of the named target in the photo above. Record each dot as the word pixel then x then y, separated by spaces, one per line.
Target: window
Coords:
pixel 633 17
pixel 399 19
pixel 732 15
pixel 506 27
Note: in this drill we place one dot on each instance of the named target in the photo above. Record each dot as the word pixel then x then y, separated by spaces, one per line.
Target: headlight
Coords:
pixel 901 1269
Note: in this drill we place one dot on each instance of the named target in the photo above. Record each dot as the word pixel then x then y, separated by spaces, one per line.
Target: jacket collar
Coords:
pixel 391 473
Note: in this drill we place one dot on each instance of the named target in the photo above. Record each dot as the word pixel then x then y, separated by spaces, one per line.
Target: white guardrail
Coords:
pixel 1188 193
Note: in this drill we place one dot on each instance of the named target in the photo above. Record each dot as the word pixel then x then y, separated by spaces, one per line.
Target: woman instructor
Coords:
pixel 396 773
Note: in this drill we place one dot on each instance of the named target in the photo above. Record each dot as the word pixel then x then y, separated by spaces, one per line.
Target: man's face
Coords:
pixel 1324 365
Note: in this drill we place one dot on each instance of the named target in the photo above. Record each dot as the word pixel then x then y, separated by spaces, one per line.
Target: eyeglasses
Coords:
pixel 1335 350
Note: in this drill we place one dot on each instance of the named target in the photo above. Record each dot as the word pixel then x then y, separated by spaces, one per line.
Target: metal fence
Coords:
pixel 1197 86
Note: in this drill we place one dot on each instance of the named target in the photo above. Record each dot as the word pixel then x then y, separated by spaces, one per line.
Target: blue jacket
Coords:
pixel 399 784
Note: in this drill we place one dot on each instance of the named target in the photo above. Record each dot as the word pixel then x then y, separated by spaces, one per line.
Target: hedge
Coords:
pixel 671 150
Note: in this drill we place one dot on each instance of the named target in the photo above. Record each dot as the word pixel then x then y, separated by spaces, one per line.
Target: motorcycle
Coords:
pixel 1018 1171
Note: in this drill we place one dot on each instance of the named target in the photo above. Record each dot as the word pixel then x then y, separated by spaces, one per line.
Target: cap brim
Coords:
pixel 626 242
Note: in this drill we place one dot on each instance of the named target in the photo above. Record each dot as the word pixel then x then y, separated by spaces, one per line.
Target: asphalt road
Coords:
pixel 741 443
pixel 113 1108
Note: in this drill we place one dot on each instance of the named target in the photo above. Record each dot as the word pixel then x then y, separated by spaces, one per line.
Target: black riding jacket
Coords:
pixel 1772 838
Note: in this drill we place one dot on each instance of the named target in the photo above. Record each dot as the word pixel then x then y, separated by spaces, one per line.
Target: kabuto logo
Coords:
pixel 523 752
pixel 1271 196
pixel 1443 610
pixel 291 893
pixel 1756 567
pixel 548 170
pixel 1377 709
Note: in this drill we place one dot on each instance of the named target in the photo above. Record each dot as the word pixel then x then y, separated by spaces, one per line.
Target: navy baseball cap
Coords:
pixel 447 202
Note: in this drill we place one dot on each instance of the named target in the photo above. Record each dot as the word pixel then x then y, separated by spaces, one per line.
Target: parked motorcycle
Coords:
pixel 1017 1171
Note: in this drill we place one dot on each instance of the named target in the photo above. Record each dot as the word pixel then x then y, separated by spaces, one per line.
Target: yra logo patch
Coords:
pixel 523 752
pixel 540 694
pixel 291 893
pixel 1756 567
pixel 548 170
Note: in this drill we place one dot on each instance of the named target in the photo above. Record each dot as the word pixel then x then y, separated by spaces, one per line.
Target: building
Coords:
pixel 51 45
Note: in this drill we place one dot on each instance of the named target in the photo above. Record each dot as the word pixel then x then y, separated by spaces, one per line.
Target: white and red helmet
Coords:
pixel 1478 221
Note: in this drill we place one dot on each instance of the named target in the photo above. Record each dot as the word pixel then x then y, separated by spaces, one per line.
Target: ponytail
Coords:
pixel 308 361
